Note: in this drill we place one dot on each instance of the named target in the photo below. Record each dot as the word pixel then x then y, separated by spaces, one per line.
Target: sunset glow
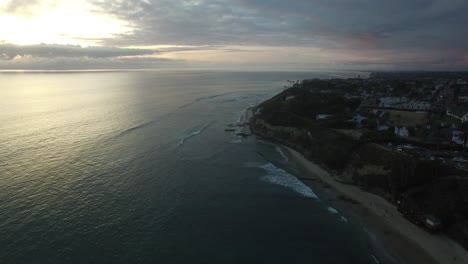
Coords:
pixel 66 22
pixel 260 34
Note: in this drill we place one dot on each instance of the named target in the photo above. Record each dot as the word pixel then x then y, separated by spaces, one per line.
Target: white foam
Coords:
pixel 236 141
pixel 241 117
pixel 193 133
pixel 280 151
pixel 375 259
pixel 335 212
pixel 280 177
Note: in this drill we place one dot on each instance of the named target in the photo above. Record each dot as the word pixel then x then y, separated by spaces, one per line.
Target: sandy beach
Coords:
pixel 401 241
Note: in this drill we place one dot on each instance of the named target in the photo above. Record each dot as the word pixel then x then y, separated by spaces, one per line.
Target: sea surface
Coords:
pixel 135 167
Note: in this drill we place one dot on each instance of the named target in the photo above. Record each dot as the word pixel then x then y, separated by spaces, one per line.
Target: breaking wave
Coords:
pixel 241 117
pixel 280 151
pixel 236 141
pixel 281 177
pixel 193 133
pixel 129 130
pixel 141 126
pixel 334 211
pixel 204 98
pixel 375 259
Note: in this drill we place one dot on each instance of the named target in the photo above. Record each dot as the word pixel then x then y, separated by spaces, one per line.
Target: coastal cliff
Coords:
pixel 323 128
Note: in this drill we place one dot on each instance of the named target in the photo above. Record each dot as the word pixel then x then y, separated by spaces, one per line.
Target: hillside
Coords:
pixel 322 126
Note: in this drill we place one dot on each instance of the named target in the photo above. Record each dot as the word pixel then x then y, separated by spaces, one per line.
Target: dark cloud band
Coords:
pixel 10 51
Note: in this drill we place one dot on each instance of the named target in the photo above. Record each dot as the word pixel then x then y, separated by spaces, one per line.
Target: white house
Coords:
pixel 458 137
pixel 322 116
pixel 401 131
pixel 383 128
pixel 392 101
pixel 358 119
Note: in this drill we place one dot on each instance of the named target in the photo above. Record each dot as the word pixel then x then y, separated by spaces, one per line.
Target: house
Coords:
pixel 392 101
pixel 463 94
pixel 432 223
pixel 401 131
pixel 460 113
pixel 458 137
pixel 290 98
pixel 383 128
pixel 322 116
pixel 358 119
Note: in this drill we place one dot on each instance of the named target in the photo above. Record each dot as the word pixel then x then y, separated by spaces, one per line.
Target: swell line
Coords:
pixel 204 98
pixel 194 133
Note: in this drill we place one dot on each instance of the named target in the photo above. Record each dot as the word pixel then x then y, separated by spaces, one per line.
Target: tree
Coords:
pixel 372 124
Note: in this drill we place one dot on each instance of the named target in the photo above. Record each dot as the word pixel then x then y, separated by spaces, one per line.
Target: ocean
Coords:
pixel 135 167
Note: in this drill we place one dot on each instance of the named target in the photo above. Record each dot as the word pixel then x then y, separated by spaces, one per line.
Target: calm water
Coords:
pixel 135 167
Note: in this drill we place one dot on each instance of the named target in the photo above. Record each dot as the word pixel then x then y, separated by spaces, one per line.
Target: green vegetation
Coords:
pixel 314 136
pixel 315 117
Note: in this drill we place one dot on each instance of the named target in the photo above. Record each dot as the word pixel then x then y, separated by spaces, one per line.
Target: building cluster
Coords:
pixel 425 119
pixel 428 111
pixel 425 110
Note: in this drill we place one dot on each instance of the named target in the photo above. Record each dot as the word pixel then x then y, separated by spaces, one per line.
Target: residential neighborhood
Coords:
pixel 402 136
pixel 429 113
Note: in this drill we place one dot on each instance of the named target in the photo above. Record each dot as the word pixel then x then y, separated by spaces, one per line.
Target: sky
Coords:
pixel 234 34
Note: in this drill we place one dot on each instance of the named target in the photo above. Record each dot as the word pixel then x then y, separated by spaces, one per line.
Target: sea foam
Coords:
pixel 194 133
pixel 204 98
pixel 236 141
pixel 281 177
pixel 241 116
pixel 334 211
pixel 280 151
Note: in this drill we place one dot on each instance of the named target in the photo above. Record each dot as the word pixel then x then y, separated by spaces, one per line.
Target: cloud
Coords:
pixel 294 22
pixel 68 57
pixel 10 51
pixel 87 63
pixel 436 28
pixel 369 30
pixel 23 7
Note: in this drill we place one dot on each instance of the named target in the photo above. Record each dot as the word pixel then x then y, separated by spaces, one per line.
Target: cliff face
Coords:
pixel 326 147
pixel 430 187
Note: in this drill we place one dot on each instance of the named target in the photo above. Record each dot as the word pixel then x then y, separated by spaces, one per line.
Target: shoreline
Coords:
pixel 397 239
